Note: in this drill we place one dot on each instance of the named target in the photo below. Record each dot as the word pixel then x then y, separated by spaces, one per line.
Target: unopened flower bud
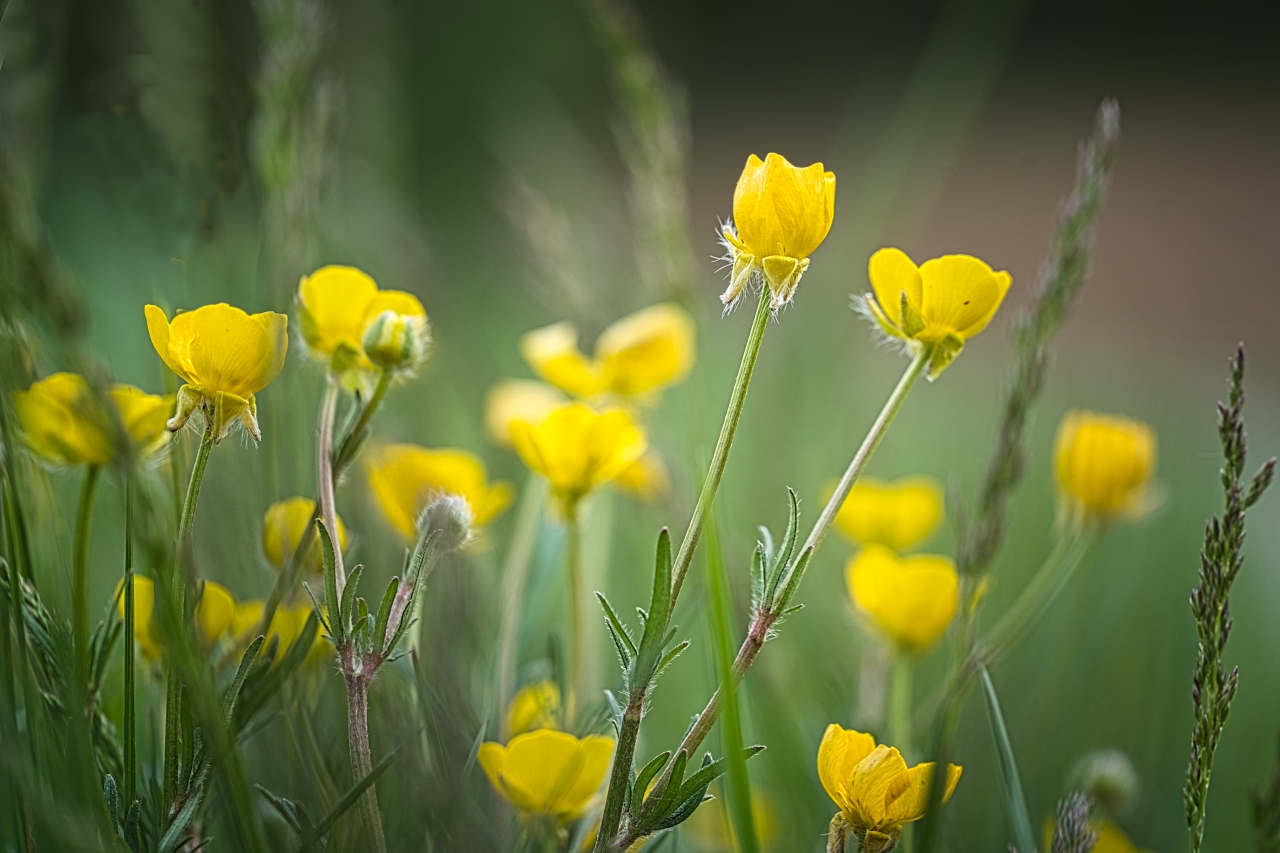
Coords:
pixel 451 515
pixel 1108 777
pixel 396 341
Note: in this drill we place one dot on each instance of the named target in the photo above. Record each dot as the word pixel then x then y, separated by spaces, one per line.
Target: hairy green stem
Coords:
pixel 351 441
pixel 514 571
pixel 80 575
pixel 362 758
pixel 130 699
pixel 178 582
pixel 324 475
pixel 577 620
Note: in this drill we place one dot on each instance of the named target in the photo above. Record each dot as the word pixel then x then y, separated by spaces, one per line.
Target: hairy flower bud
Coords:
pixel 451 515
pixel 1108 777
pixel 397 341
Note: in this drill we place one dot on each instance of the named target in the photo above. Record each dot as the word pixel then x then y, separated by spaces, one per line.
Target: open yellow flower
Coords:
pixel 406 478
pixel 1103 465
pixel 225 356
pixel 282 527
pixel 144 416
pixel 781 214
pixel 911 599
pixel 64 424
pixel 941 303
pixel 578 449
pixel 213 615
pixel 547 772
pixel 899 515
pixel 286 626
pixel 535 706
pixel 875 790
pixel 637 355
pixel 337 305
pixel 517 400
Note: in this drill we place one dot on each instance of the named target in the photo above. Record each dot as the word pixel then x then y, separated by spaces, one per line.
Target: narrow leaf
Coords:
pixel 348 800
pixel 337 626
pixel 659 610
pixel 616 624
pixel 348 597
pixel 233 691
pixel 1015 803
pixel 384 611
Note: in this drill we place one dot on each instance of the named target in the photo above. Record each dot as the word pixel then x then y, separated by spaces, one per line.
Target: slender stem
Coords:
pixel 514 572
pixel 362 758
pixel 80 574
pixel 721 455
pixel 351 441
pixel 900 704
pixel 324 464
pixel 130 700
pixel 577 622
pixel 178 583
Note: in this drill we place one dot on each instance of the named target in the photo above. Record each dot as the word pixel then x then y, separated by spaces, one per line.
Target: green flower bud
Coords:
pixel 396 341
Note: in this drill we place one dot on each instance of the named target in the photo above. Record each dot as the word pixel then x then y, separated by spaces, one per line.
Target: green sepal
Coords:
pixel 944 352
pixel 912 322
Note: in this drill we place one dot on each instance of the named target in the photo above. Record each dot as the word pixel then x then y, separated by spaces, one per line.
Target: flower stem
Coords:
pixel 514 571
pixel 577 623
pixel 178 583
pixel 324 472
pixel 130 700
pixel 900 704
pixel 721 455
pixel 351 441
pixel 362 758
pixel 80 574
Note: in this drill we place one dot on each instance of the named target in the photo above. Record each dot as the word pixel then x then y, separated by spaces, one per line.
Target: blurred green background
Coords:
pixel 469 152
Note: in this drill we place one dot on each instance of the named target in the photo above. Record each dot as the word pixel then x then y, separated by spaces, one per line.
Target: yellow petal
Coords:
pixel 871 780
pixel 223 350
pixel 1112 839
pixel 960 296
pixel 911 599
pixel 553 353
pixel 1104 463
pixel 899 515
pixel 517 400
pixel 578 449
pixel 596 752
pixel 159 330
pixel 143 415
pixel 647 350
pixel 535 706
pixel 839 753
pixel 646 478
pixel 282 527
pixel 62 421
pixel 395 301
pixel 144 597
pixel 493 759
pixel 406 478
pixel 334 307
pixel 541 767
pixel 892 274
pixel 780 209
pixel 907 799
pixel 214 612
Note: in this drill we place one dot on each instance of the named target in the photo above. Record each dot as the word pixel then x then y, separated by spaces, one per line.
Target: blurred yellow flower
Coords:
pixel 639 354
pixel 578 449
pixel 62 421
pixel 406 478
pixel 517 400
pixel 1112 839
pixel 547 772
pixel 282 527
pixel 535 706
pixel 225 356
pixel 214 612
pixel 336 307
pixel 646 478
pixel 711 829
pixel 900 514
pixel 781 214
pixel 286 626
pixel 911 599
pixel 1104 464
pixel 941 303
pixel 875 790
pixel 143 415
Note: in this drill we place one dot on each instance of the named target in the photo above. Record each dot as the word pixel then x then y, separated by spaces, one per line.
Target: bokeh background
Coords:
pixel 476 153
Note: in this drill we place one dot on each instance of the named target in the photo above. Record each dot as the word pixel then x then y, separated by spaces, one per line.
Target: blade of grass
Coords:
pixel 1015 803
pixel 348 800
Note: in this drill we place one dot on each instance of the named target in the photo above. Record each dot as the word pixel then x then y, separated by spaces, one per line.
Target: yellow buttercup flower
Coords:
pixel 517 400
pixel 900 515
pixel 646 478
pixel 144 416
pixel 578 449
pixel 225 356
pixel 337 306
pixel 282 527
pixel 911 599
pixel 548 773
pixel 286 626
pixel 781 214
pixel 1112 839
pixel 213 614
pixel 941 303
pixel 875 790
pixel 637 355
pixel 406 478
pixel 1103 464
pixel 535 706
pixel 64 423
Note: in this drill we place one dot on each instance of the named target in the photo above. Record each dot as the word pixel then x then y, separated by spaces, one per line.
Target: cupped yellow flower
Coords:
pixel 144 416
pixel 1104 465
pixel 941 303
pixel 911 599
pixel 899 515
pixel 517 400
pixel 406 478
pixel 282 527
pixel 213 614
pixel 637 355
pixel 781 214
pixel 286 626
pixel 62 421
pixel 535 706
pixel 337 305
pixel 873 787
pixel 578 449
pixel 225 356
pixel 548 773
